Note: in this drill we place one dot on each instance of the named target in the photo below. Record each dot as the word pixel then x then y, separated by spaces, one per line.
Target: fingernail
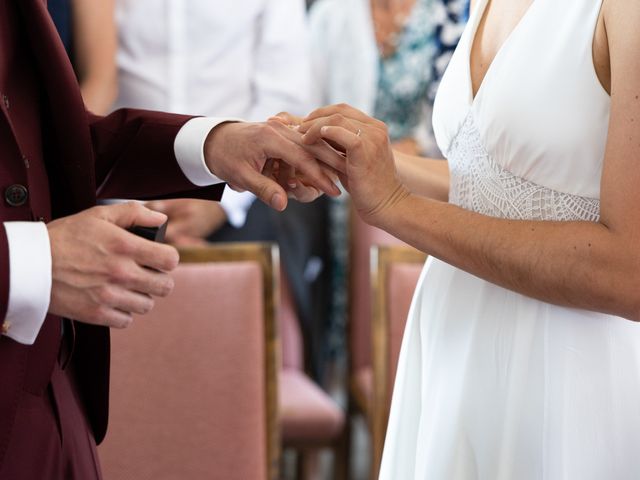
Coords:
pixel 293 184
pixel 324 130
pixel 277 202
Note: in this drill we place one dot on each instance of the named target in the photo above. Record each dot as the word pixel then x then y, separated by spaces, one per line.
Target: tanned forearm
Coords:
pixel 426 177
pixel 576 264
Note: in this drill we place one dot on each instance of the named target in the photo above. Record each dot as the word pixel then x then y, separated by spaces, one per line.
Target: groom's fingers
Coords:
pixel 265 188
pixel 342 136
pixel 277 146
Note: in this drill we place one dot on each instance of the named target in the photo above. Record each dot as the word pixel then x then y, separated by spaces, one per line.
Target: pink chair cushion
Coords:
pixel 401 283
pixel 188 382
pixel 363 238
pixel 290 334
pixel 307 413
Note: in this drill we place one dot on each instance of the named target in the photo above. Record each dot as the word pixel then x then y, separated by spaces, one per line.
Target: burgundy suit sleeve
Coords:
pixel 134 157
pixel 4 273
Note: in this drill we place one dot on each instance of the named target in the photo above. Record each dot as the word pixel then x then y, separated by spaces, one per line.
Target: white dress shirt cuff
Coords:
pixel 29 279
pixel 236 206
pixel 189 149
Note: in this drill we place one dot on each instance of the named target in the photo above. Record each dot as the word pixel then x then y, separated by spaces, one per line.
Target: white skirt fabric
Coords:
pixel 493 385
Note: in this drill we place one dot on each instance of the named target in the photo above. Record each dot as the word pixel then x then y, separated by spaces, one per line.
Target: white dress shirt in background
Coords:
pixel 230 58
pixel 345 58
pixel 346 62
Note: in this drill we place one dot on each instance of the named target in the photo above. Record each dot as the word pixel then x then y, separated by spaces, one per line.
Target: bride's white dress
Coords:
pixel 491 384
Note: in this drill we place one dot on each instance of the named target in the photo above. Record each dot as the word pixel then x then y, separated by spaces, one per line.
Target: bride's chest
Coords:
pixel 540 110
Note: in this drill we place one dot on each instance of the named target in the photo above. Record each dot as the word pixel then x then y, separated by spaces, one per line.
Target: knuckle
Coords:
pixel 98 211
pixel 100 314
pixel 105 296
pixel 166 286
pixel 133 206
pixel 121 244
pixel 172 258
pixel 266 129
pixel 150 305
pixel 118 272
pixel 273 123
pixel 379 136
pixel 124 322
pixel 146 306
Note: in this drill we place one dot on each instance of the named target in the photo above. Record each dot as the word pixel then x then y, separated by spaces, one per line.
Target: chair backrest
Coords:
pixel 193 384
pixel 289 326
pixel 395 271
pixel 363 237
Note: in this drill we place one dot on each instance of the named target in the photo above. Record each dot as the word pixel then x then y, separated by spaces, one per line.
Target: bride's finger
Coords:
pixel 341 109
pixel 287 119
pixel 301 192
pixel 346 138
pixel 313 133
pixel 321 150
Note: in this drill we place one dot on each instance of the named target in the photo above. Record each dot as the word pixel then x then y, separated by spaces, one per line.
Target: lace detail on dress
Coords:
pixel 479 184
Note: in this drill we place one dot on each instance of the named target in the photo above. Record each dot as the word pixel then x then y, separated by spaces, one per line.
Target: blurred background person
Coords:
pixel 386 57
pixel 246 59
pixel 88 32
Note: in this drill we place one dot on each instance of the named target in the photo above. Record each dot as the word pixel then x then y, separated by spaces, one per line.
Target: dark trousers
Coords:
pixel 302 232
pixel 51 439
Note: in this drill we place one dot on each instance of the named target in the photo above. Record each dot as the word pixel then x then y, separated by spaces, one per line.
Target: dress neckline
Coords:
pixel 477 19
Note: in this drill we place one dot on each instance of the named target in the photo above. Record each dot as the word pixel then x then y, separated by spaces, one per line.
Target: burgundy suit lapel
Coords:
pixel 67 114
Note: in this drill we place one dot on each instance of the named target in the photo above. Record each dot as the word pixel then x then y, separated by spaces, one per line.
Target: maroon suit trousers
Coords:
pixel 51 434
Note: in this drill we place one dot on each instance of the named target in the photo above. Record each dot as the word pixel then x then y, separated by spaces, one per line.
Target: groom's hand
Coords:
pixel 239 152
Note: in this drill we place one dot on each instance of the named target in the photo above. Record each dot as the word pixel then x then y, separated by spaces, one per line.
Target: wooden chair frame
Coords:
pixel 381 258
pixel 267 256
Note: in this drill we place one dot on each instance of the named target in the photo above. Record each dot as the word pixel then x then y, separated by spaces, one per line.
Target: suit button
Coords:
pixel 5 100
pixel 16 195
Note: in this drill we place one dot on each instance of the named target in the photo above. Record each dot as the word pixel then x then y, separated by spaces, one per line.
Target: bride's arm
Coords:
pixel 588 265
pixel 426 177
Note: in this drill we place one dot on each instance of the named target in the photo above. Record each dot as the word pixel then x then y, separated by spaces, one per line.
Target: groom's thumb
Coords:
pixel 267 190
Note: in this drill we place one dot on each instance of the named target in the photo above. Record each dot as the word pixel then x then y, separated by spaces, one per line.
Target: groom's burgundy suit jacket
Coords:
pixel 65 157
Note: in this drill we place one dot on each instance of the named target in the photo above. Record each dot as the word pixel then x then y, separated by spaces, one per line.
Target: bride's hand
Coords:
pixel 371 176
